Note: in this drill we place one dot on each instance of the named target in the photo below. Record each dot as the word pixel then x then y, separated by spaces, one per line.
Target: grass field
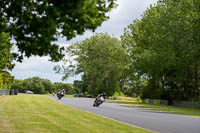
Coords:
pixel 40 114
pixel 171 109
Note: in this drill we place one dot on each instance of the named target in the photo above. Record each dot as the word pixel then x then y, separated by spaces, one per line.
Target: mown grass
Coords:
pixel 40 114
pixel 162 108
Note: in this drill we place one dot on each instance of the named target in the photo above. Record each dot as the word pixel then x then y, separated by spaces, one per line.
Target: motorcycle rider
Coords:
pixel 63 92
pixel 101 96
pixel 58 92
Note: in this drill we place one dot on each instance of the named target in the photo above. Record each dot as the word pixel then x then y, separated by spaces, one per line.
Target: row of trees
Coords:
pixel 158 56
pixel 42 86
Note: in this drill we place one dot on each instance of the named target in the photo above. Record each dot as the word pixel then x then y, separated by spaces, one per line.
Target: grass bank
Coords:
pixel 40 114
pixel 162 108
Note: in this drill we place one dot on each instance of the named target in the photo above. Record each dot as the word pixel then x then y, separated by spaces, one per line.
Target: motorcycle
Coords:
pixel 98 101
pixel 60 95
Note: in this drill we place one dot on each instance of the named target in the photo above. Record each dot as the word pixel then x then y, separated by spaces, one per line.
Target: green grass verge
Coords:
pixel 162 108
pixel 40 114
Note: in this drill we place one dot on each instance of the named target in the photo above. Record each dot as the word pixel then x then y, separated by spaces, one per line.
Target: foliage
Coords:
pixel 5 80
pixel 18 85
pixel 164 49
pixel 6 58
pixel 69 88
pixel 34 84
pixel 101 60
pixel 41 86
pixel 80 87
pixel 36 24
pixel 48 85
pixel 5 52
pixel 133 86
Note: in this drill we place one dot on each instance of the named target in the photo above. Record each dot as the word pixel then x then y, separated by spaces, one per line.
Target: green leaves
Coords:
pixel 41 86
pixel 35 25
pixel 5 52
pixel 6 57
pixel 101 60
pixel 163 47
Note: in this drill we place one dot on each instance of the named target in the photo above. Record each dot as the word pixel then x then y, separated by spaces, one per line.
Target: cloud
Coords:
pixel 39 66
pixel 121 17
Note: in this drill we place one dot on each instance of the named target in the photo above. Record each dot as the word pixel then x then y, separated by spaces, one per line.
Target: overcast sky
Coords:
pixel 121 17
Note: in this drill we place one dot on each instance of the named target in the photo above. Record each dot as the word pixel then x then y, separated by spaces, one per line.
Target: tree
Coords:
pixel 18 85
pixel 48 86
pixel 6 58
pixel 41 86
pixel 69 88
pixel 34 84
pixel 79 86
pixel 5 80
pixel 5 52
pixel 36 24
pixel 101 60
pixel 164 48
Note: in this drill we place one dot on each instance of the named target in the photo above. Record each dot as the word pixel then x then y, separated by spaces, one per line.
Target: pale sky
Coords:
pixel 121 17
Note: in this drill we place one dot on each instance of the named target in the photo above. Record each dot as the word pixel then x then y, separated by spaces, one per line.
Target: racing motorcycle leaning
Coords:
pixel 99 100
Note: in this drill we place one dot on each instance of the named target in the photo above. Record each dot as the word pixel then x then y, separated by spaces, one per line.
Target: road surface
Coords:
pixel 148 119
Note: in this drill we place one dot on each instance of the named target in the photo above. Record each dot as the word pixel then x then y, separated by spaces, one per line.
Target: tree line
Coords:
pixel 42 86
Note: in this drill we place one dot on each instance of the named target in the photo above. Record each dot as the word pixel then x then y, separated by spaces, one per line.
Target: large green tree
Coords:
pixel 101 60
pixel 36 24
pixel 164 48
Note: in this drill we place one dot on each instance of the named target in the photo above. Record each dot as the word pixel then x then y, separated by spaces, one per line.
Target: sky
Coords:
pixel 121 17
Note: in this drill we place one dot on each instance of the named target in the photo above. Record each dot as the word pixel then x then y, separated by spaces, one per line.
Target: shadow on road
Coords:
pixel 145 109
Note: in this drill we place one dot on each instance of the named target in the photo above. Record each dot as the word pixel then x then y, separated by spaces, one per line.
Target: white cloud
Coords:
pixel 126 12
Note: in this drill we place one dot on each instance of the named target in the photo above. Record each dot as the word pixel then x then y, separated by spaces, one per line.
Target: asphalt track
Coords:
pixel 148 119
